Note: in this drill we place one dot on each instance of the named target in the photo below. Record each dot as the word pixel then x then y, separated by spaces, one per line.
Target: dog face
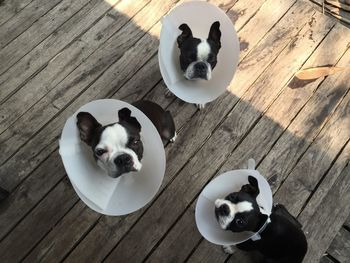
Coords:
pixel 239 211
pixel 117 148
pixel 198 57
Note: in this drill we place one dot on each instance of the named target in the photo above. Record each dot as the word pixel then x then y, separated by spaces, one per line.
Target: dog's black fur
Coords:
pixel 282 241
pixel 161 119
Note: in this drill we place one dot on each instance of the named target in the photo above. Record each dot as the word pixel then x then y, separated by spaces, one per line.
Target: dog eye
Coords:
pixel 240 222
pixel 136 141
pixel 100 152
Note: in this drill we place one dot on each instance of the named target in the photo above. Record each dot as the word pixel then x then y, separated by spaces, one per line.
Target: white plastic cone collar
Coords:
pixel 220 187
pixel 199 15
pixel 106 195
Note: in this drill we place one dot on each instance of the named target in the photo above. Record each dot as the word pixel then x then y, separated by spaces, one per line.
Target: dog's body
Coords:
pixel 281 241
pixel 117 147
pixel 279 236
pixel 160 118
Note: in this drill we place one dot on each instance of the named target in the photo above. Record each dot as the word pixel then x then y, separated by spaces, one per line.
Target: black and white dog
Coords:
pixel 198 57
pixel 278 238
pixel 117 147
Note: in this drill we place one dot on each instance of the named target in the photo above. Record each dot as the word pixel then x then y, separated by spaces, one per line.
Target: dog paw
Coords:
pixel 200 106
pixel 174 138
pixel 228 249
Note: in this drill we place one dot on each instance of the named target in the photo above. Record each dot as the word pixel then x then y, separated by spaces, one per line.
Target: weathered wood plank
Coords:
pixel 258 142
pixel 325 222
pixel 82 61
pixel 241 13
pixel 250 35
pixel 320 240
pixel 340 247
pixel 327 183
pixel 16 76
pixel 24 19
pixel 326 259
pixel 29 230
pixel 57 243
pixel 207 252
pixel 279 162
pixel 178 252
pixel 9 8
pixel 196 173
pixel 301 183
pixel 23 199
pixel 40 30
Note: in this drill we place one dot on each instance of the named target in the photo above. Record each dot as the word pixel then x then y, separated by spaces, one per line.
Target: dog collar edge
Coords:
pixel 257 235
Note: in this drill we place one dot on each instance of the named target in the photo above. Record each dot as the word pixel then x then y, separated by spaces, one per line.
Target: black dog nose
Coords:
pixel 201 66
pixel 223 210
pixel 124 159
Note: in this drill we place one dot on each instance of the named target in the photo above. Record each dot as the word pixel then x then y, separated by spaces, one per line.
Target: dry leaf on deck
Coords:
pixel 318 72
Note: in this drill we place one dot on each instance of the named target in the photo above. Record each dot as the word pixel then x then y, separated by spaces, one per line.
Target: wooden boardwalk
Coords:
pixel 57 55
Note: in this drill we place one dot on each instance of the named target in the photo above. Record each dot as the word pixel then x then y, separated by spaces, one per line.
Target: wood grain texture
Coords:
pixel 19 23
pixel 340 247
pixel 301 183
pixel 65 234
pixel 326 259
pixel 29 230
pixel 39 58
pixel 9 8
pixel 77 64
pixel 329 216
pixel 40 30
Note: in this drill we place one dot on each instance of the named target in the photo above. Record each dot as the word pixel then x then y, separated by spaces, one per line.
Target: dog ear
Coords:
pixel 125 115
pixel 186 33
pixel 87 126
pixel 252 188
pixel 215 33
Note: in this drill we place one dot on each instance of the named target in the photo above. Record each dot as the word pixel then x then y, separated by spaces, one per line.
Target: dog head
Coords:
pixel 239 211
pixel 117 147
pixel 198 57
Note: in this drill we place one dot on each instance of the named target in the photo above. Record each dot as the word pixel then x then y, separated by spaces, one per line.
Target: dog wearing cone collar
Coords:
pixel 198 57
pixel 278 236
pixel 117 147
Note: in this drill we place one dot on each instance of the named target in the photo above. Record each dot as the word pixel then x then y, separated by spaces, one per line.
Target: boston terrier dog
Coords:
pixel 278 237
pixel 117 147
pixel 198 57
